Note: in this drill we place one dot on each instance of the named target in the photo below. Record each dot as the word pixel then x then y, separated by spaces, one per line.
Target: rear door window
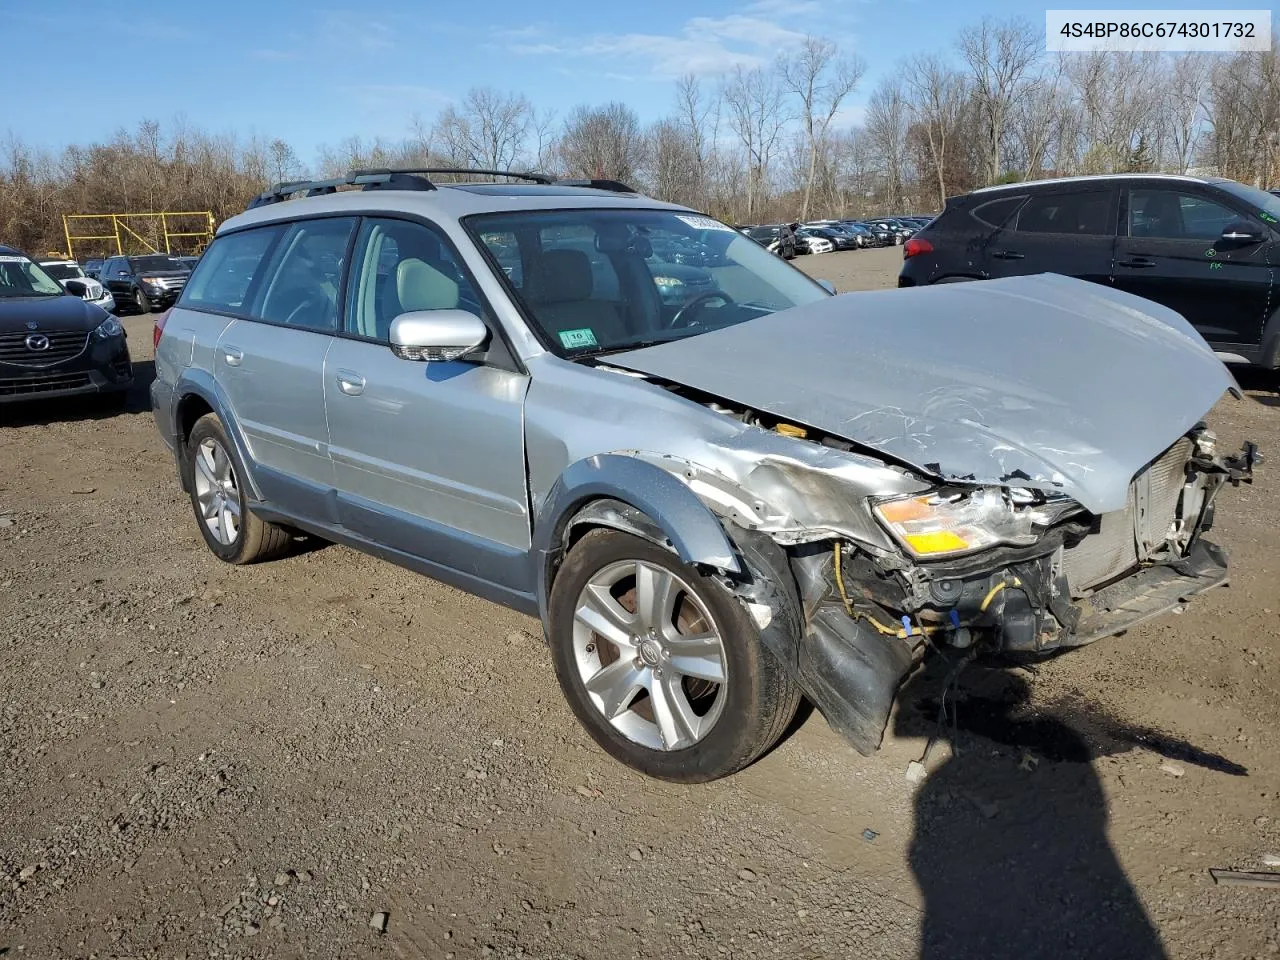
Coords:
pixel 303 276
pixel 224 276
pixel 1083 213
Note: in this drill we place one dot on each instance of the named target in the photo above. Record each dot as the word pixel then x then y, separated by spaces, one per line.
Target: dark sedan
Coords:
pixel 52 342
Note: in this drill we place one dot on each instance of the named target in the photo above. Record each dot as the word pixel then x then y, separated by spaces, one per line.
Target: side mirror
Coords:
pixel 828 286
pixel 437 334
pixel 75 287
pixel 1241 233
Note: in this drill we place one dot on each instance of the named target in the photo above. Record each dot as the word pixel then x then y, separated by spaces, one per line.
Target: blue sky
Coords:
pixel 314 74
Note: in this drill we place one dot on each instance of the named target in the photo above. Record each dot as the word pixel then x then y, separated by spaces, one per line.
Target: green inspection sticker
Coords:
pixel 572 339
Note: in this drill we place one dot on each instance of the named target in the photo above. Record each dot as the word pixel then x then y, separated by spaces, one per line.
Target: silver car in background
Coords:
pixel 714 503
pixel 94 291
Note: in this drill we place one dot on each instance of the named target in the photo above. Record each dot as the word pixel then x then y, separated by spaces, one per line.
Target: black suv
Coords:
pixel 1202 246
pixel 144 283
pixel 52 342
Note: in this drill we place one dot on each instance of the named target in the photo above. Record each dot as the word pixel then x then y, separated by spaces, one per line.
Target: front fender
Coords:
pixel 693 530
pixel 195 382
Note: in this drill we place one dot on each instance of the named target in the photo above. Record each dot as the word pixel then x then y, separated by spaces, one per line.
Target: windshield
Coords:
pixel 595 281
pixel 63 271
pixel 1266 204
pixel 157 263
pixel 19 277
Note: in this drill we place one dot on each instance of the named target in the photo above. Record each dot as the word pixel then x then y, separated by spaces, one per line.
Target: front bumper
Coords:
pixel 160 299
pixel 104 367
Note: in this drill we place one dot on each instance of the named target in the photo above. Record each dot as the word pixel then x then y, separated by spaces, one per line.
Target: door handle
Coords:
pixel 1136 262
pixel 1008 255
pixel 233 355
pixel 350 383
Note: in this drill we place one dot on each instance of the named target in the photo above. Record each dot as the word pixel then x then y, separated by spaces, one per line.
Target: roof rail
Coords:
pixel 414 178
pixel 615 186
pixel 532 177
pixel 368 179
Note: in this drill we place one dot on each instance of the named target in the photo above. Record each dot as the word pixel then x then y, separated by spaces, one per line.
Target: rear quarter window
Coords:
pixel 224 275
pixel 996 213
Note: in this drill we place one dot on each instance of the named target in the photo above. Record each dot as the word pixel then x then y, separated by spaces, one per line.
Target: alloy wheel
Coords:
pixel 217 494
pixel 649 655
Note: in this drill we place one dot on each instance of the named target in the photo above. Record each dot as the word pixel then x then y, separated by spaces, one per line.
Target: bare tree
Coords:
pixel 283 161
pixel 672 155
pixel 887 118
pixel 694 112
pixel 757 114
pixel 1185 112
pixel 937 96
pixel 999 57
pixel 487 129
pixel 603 142
pixel 820 79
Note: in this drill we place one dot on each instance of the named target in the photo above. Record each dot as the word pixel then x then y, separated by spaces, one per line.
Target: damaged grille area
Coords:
pixel 1125 538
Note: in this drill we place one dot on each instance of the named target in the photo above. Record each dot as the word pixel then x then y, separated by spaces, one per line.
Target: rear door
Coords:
pixel 1067 231
pixel 1170 253
pixel 428 456
pixel 270 361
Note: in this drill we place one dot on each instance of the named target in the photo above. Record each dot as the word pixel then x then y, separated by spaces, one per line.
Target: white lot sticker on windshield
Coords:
pixel 704 223
pixel 14 260
pixel 583 337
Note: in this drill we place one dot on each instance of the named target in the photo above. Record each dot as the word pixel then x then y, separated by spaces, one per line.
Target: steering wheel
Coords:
pixel 685 316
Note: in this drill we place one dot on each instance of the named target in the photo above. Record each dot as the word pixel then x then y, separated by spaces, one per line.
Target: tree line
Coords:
pixel 756 144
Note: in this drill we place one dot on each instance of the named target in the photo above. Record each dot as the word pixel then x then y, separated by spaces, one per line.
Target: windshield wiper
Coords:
pixel 624 347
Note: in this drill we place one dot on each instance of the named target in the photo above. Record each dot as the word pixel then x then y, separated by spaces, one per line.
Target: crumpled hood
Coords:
pixel 1044 381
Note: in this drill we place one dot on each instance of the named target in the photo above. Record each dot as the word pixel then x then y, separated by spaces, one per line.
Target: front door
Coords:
pixel 272 366
pixel 428 456
pixel 1170 253
pixel 1071 232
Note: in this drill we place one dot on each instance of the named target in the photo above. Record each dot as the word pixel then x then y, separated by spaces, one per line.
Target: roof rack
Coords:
pixel 368 179
pixel 614 186
pixel 414 178
pixel 532 177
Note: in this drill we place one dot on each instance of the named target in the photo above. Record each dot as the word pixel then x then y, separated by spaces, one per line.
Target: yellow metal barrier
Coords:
pixel 196 226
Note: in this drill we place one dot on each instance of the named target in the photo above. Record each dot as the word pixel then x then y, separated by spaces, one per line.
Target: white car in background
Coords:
pixel 95 292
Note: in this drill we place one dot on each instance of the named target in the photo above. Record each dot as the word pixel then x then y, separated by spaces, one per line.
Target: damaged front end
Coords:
pixel 993 570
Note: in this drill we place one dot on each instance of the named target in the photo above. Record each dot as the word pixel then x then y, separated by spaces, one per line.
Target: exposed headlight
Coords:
pixel 151 281
pixel 668 281
pixel 941 524
pixel 108 328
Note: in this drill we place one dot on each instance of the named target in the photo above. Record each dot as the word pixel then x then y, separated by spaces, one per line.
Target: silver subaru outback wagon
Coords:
pixel 720 487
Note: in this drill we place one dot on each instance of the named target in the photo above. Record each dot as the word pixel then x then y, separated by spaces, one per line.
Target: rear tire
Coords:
pixel 745 711
pixel 230 529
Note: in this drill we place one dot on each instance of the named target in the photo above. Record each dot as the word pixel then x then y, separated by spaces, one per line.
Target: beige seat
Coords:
pixel 561 298
pixel 417 286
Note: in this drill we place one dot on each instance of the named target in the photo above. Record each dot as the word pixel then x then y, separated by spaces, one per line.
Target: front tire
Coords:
pixel 663 667
pixel 140 302
pixel 230 529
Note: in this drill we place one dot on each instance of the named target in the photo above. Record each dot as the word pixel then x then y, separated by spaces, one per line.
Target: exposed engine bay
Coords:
pixel 1062 577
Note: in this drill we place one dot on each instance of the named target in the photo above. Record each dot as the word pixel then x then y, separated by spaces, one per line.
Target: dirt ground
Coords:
pixel 200 760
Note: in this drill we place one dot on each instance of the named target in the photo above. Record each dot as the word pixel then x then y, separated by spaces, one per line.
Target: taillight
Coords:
pixel 159 328
pixel 914 246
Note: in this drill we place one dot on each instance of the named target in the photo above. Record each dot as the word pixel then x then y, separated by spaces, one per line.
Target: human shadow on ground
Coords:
pixel 1010 847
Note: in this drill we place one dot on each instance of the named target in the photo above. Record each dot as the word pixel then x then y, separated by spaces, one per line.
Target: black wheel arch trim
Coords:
pixel 195 382
pixel 666 511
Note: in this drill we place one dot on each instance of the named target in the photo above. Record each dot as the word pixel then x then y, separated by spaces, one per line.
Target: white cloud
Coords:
pixel 702 44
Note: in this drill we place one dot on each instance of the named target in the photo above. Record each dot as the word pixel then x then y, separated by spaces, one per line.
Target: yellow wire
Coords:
pixel 986 602
pixel 858 615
